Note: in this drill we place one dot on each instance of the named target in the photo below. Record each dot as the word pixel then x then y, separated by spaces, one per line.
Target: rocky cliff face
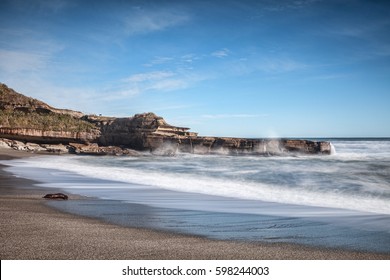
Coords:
pixel 140 132
pixel 234 146
pixel 11 100
pixel 48 136
pixel 30 120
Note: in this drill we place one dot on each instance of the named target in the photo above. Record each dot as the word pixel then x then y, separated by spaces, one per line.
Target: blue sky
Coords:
pixel 227 68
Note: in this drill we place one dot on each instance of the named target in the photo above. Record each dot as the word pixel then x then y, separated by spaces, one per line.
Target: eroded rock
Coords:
pixel 59 196
pixel 38 127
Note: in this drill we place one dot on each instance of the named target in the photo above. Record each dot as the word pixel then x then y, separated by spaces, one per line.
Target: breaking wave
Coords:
pixel 357 177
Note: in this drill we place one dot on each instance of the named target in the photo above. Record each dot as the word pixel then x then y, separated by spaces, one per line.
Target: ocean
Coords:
pixel 340 200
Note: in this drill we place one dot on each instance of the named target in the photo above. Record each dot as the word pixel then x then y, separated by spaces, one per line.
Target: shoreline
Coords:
pixel 30 229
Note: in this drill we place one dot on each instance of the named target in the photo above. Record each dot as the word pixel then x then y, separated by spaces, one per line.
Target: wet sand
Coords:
pixel 30 229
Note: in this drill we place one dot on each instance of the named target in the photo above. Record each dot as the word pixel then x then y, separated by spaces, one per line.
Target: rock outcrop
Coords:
pixel 140 132
pixel 27 119
pixel 239 146
pixel 95 149
pixel 152 133
pixel 56 196
pixel 34 147
pixel 12 100
pixel 48 136
pixel 32 125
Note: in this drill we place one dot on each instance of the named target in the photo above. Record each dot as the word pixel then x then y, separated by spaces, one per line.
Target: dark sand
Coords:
pixel 32 230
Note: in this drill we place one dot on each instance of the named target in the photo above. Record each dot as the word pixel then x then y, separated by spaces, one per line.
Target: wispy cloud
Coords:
pixel 270 65
pixel 221 53
pixel 154 81
pixel 288 5
pixel 364 29
pixel 189 58
pixel 177 61
pixel 150 76
pixel 168 85
pixel 159 60
pixel 369 37
pixel 279 65
pixel 141 21
pixel 328 77
pixel 26 50
pixel 17 61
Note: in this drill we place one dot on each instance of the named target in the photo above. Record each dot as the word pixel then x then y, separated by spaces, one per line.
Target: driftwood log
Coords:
pixel 56 196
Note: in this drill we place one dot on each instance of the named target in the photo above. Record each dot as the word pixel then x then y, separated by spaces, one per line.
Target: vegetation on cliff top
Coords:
pixel 47 122
pixel 10 98
pixel 19 111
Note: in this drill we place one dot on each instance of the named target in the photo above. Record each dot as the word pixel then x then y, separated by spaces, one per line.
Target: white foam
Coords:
pixel 362 149
pixel 307 193
pixel 332 149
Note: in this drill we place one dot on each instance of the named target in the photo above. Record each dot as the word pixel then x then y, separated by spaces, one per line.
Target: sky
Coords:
pixel 299 68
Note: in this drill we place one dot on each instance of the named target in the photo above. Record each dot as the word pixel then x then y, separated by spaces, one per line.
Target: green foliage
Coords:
pixel 51 121
pixel 19 111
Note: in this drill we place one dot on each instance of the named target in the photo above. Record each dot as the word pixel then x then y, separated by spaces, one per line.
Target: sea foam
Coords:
pixel 348 180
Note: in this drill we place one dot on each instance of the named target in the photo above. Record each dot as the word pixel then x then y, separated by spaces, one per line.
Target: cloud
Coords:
pixel 369 37
pixel 17 61
pixel 283 5
pixel 159 60
pixel 179 61
pixel 189 58
pixel 142 21
pixel 168 85
pixel 328 77
pixel 270 65
pixel 26 50
pixel 279 65
pixel 150 76
pixel 221 53
pixel 154 81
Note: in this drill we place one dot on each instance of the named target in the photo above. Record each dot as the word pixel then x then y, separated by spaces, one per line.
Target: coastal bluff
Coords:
pixel 32 125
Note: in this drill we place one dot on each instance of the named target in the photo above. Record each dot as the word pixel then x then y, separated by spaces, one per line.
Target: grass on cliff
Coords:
pixel 48 122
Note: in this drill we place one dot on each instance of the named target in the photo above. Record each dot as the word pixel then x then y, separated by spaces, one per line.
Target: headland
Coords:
pixel 32 125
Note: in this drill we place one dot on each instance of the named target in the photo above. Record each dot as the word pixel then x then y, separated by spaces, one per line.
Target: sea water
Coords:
pixel 338 200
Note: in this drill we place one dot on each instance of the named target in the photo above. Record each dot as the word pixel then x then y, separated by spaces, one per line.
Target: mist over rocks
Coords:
pixel 32 125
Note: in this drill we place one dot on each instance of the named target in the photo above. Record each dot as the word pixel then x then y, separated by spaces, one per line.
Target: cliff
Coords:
pixel 10 100
pixel 28 119
pixel 24 119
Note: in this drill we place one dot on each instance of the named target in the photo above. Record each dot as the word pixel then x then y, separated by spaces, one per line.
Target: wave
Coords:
pixel 362 149
pixel 287 181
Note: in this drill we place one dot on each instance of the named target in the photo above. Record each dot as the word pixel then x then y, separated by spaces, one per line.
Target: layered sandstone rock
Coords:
pixel 237 146
pixel 140 132
pixel 29 120
pixel 48 136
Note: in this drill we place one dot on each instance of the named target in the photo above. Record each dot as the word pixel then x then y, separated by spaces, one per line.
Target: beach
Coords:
pixel 30 229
